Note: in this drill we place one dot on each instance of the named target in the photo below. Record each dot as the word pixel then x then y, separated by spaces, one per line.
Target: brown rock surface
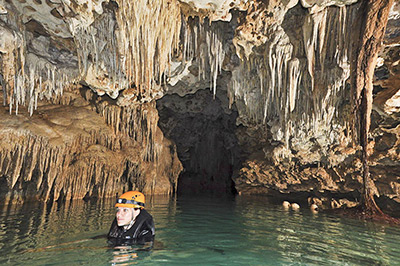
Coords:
pixel 283 67
pixel 84 150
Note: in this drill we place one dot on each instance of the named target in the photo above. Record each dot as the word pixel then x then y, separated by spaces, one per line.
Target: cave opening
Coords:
pixel 203 129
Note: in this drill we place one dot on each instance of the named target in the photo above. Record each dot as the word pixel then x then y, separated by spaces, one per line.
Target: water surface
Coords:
pixel 194 230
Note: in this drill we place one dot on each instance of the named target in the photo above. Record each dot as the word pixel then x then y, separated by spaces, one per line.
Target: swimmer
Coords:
pixel 132 223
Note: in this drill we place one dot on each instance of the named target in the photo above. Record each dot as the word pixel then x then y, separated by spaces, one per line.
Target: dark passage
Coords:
pixel 204 133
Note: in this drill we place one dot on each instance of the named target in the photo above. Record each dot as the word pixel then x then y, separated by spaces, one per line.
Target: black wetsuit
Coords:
pixel 141 232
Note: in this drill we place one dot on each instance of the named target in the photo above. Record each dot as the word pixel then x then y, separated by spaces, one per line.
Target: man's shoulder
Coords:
pixel 145 214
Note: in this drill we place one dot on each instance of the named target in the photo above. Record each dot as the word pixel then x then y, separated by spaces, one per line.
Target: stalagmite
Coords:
pixel 295 206
pixel 286 205
pixel 314 207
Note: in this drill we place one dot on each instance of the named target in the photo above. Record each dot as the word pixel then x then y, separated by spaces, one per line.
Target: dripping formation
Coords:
pixel 298 99
pixel 113 53
pixel 61 157
pixel 284 65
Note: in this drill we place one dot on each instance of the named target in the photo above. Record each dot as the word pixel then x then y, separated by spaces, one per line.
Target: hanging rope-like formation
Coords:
pixel 148 35
pixel 129 46
pixel 372 32
pixel 298 93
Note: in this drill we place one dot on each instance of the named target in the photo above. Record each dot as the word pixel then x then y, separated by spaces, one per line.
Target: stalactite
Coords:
pixel 297 98
pixel 91 158
pixel 138 121
pixel 28 88
pixel 145 43
pixel 56 172
pixel 203 45
pixel 26 76
pixel 98 56
pixel 114 53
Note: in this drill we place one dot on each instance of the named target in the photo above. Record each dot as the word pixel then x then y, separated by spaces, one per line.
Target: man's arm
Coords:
pixel 147 232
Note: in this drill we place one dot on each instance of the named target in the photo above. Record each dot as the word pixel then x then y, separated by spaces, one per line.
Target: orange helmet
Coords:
pixel 131 199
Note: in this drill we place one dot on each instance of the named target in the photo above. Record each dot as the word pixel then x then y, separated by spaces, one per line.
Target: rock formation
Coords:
pixel 84 147
pixel 257 93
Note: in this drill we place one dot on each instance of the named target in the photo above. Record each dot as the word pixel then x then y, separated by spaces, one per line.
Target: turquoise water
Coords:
pixel 194 231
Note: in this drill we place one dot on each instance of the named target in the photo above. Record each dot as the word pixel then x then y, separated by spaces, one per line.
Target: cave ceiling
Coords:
pixel 112 46
pixel 284 64
pixel 142 50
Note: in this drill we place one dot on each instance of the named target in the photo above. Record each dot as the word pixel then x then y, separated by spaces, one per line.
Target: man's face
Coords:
pixel 124 216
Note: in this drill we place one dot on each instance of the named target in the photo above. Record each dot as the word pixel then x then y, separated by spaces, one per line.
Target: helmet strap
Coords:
pixel 132 221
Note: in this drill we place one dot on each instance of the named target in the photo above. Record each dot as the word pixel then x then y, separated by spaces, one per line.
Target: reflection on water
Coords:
pixel 194 230
pixel 315 239
pixel 124 256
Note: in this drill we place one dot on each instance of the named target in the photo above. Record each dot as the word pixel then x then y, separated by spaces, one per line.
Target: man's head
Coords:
pixel 128 206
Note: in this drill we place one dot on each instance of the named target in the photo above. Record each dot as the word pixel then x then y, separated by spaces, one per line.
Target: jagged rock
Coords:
pixel 83 150
pixel 285 66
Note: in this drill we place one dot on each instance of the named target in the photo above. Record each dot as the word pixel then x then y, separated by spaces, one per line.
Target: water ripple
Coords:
pixel 216 231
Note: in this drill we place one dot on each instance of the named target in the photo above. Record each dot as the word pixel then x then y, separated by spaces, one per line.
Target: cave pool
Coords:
pixel 194 230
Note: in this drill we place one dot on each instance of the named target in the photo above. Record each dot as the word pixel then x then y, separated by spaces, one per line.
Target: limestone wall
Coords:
pixel 81 149
pixel 80 81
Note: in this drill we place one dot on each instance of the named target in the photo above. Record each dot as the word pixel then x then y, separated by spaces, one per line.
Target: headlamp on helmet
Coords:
pixel 131 199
